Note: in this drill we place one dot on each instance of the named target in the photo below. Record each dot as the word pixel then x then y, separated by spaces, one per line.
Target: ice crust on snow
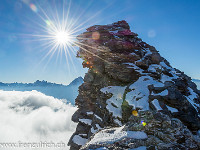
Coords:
pixel 115 134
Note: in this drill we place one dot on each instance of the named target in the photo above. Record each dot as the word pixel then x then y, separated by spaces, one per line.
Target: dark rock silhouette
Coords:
pixel 128 83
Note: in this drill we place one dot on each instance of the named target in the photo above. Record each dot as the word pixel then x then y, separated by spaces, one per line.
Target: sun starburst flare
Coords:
pixel 62 37
pixel 58 30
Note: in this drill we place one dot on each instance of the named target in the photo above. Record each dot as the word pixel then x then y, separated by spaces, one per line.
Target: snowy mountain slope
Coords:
pixel 59 91
pixel 130 84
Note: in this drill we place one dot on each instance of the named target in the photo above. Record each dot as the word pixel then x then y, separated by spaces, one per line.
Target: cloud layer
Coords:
pixel 34 117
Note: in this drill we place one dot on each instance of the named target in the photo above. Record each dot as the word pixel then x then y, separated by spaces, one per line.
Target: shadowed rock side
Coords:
pixel 132 90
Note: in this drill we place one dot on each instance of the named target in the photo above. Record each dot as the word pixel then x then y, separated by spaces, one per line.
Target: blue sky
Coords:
pixel 172 26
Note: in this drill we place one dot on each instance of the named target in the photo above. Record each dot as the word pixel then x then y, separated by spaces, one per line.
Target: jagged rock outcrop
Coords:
pixel 127 82
pixel 160 133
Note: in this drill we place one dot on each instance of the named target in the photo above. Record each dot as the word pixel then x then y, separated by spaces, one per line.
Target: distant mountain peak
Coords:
pixel 36 83
pixel 196 80
pixel 76 81
pixel 68 92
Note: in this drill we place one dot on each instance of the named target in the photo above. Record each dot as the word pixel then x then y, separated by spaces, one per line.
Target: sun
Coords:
pixel 62 37
pixel 57 31
pixel 59 36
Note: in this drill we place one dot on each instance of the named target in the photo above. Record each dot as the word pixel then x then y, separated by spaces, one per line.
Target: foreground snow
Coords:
pixel 115 134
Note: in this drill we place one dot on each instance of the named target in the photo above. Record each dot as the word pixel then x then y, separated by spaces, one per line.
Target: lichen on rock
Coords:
pixel 128 75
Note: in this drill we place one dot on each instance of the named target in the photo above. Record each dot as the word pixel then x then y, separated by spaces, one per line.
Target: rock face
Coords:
pixel 132 90
pixel 160 132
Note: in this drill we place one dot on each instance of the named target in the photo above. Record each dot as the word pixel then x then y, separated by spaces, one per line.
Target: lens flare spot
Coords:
pixel 95 35
pixel 152 33
pixel 143 123
pixel 33 7
pixel 135 113
pixel 119 96
pixel 48 22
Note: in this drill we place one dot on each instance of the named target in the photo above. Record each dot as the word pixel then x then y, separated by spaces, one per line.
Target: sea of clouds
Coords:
pixel 32 117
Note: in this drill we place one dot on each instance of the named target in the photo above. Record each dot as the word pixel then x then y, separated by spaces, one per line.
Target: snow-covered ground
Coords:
pixel 32 117
pixel 115 134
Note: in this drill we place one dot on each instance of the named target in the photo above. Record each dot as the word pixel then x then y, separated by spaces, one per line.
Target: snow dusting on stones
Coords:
pixel 132 98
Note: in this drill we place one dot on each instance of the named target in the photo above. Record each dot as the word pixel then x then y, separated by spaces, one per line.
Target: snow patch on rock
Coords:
pixel 86 121
pixel 115 134
pixel 79 140
pixel 191 98
pixel 115 102
pixel 172 109
pixel 156 104
pixel 139 95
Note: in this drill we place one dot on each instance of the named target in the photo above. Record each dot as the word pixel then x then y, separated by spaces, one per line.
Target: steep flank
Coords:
pixel 132 90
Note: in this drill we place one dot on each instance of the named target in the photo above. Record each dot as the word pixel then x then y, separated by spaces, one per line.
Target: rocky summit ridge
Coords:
pixel 131 96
